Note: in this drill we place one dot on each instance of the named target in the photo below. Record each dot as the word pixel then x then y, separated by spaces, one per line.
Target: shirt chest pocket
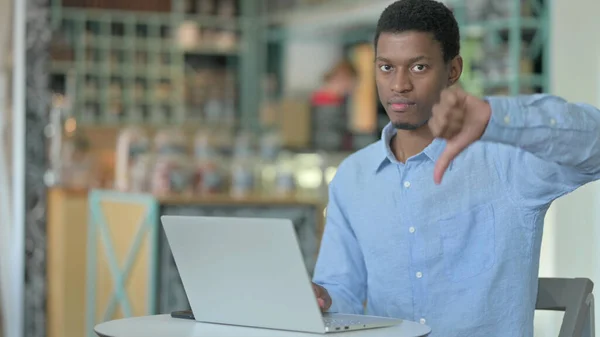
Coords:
pixel 468 243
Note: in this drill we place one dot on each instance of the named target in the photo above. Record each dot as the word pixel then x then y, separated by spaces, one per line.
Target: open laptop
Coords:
pixel 250 272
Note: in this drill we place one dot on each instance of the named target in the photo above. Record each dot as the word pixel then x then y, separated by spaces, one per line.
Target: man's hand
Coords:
pixel 322 297
pixel 461 119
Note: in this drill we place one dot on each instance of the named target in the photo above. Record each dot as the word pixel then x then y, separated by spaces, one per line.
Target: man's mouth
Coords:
pixel 400 105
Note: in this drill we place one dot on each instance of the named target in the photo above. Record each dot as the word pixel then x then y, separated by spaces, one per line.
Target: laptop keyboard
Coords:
pixel 332 323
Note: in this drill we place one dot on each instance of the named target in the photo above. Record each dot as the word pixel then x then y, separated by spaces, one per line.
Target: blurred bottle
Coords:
pixel 285 183
pixel 270 145
pixel 243 174
pixel 79 166
pixel 270 148
pixel 141 174
pixel 208 171
pixel 214 108
pixel 172 175
pixel 172 172
pixel 131 143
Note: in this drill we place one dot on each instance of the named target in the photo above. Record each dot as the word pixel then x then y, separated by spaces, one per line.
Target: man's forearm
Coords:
pixel 548 127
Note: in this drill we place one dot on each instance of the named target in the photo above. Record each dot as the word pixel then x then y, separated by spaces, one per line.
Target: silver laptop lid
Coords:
pixel 243 271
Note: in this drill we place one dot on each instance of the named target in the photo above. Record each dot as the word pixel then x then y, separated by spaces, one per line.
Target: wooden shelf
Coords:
pixel 299 198
pixel 251 199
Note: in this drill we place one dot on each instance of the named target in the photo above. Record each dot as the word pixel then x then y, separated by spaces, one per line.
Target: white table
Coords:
pixel 166 326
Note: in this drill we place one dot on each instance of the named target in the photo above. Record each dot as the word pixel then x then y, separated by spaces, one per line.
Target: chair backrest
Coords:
pixel 575 298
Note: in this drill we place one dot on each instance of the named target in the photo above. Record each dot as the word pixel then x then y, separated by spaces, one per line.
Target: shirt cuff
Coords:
pixel 506 116
pixel 340 305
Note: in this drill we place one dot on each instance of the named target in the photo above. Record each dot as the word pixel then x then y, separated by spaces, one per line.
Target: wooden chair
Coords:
pixel 575 298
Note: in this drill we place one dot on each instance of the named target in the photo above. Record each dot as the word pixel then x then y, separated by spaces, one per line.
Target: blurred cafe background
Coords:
pixel 113 113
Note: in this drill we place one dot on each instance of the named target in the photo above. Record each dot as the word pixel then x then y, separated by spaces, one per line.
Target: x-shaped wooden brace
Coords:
pixel 98 223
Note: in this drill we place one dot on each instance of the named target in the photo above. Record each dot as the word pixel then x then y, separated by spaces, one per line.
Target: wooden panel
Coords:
pixel 104 283
pixel 138 281
pixel 256 199
pixel 123 222
pixel 295 124
pixel 67 233
pixel 364 109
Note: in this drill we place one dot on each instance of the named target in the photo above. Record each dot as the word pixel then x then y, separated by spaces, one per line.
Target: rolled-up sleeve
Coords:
pixel 559 143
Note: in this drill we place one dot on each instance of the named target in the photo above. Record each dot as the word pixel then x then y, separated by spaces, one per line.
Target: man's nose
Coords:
pixel 402 82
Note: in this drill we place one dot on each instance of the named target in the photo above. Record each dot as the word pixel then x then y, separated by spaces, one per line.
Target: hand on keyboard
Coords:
pixel 322 297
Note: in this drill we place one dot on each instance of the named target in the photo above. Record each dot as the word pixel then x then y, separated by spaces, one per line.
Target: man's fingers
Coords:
pixel 434 127
pixel 446 120
pixel 327 302
pixel 453 149
pixel 317 290
pixel 442 164
pixel 452 129
pixel 322 297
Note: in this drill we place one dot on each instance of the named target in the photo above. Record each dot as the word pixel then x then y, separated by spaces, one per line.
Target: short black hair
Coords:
pixel 428 16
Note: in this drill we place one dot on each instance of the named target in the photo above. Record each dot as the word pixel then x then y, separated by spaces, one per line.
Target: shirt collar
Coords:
pixel 385 155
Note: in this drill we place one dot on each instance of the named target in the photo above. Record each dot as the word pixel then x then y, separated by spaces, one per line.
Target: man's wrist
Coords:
pixel 485 115
pixel 494 107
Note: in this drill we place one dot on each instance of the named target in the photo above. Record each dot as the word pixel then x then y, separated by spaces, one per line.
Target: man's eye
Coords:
pixel 419 68
pixel 385 68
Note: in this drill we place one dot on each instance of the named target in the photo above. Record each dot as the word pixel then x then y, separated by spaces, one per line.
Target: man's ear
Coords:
pixel 456 68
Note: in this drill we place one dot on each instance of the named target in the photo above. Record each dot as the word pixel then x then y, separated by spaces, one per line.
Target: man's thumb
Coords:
pixel 453 148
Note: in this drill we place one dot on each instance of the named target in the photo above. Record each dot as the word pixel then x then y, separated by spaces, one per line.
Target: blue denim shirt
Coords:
pixel 463 256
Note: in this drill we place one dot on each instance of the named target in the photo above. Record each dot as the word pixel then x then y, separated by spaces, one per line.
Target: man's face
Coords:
pixel 410 75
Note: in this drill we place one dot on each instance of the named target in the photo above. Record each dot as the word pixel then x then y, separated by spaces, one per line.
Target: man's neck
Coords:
pixel 407 143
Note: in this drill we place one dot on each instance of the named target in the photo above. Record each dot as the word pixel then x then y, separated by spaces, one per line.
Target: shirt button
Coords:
pixel 507 119
pixel 422 321
pixel 419 274
pixel 412 229
pixel 553 121
pixel 407 184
